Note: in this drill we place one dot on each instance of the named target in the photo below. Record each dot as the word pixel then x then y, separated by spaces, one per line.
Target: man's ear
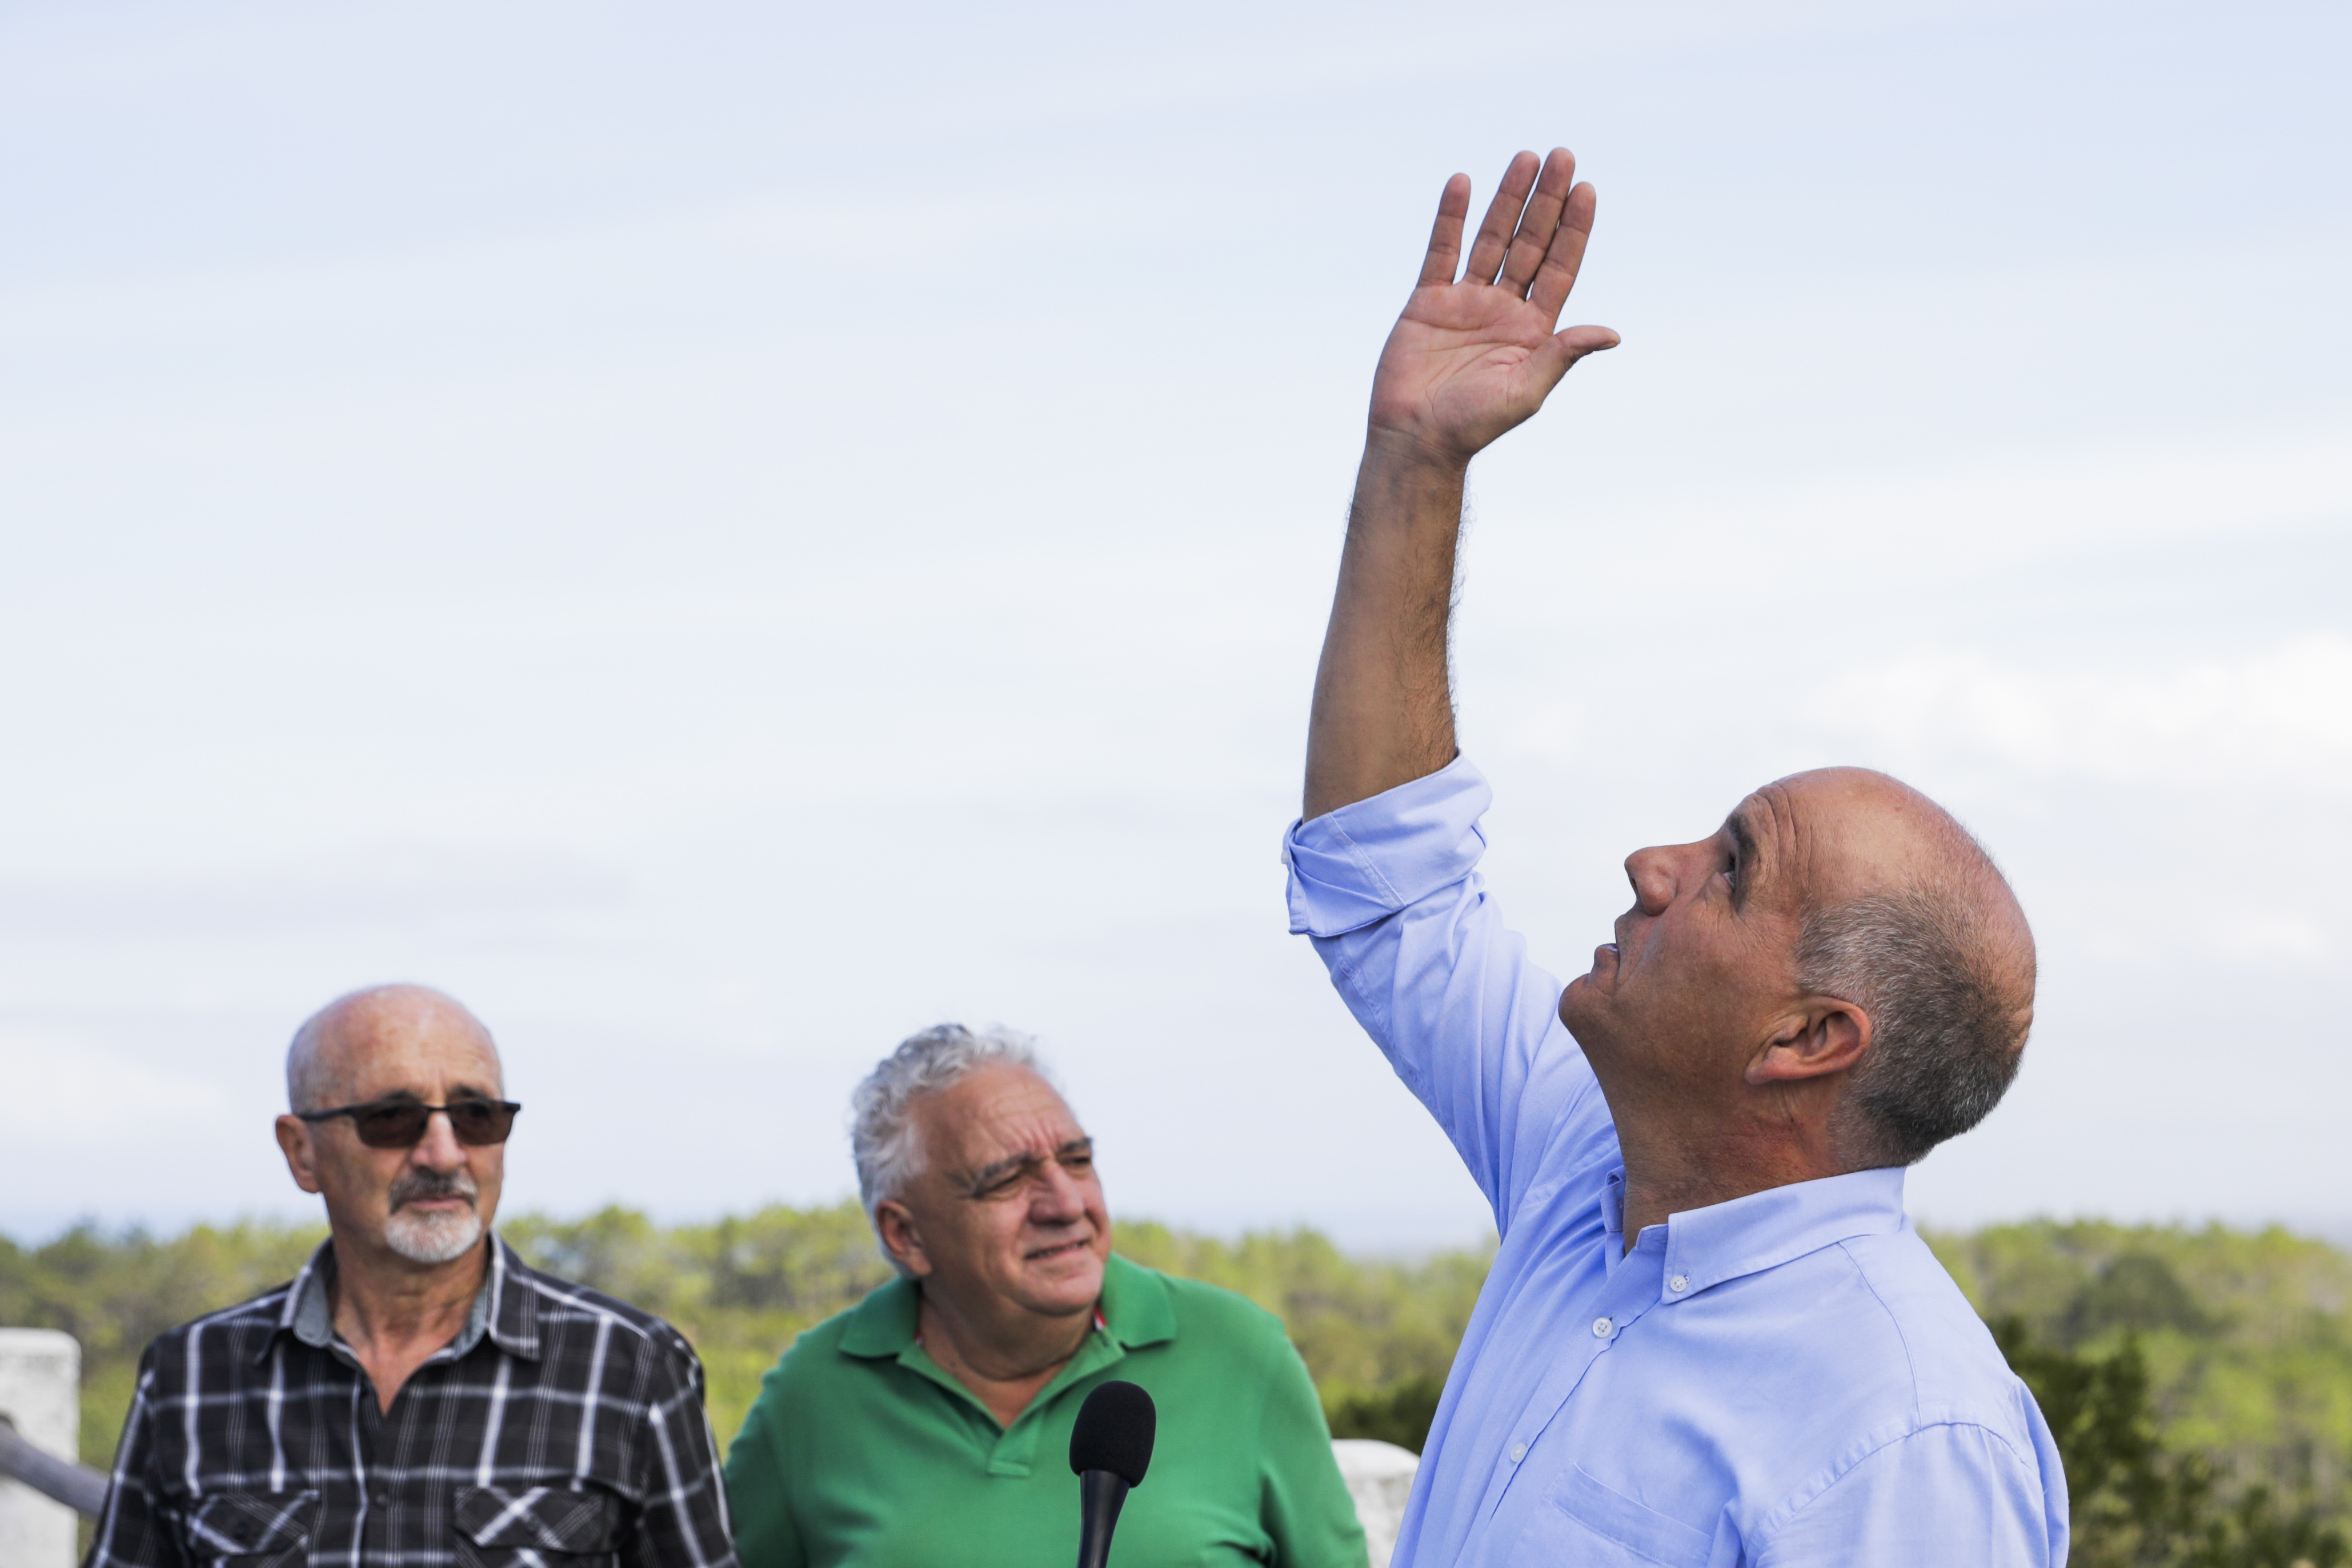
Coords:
pixel 896 1224
pixel 1825 1035
pixel 301 1158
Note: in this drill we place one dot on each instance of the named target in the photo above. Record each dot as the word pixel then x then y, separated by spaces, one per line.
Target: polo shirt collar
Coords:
pixel 882 1324
pixel 1135 1309
pixel 1135 1306
pixel 503 1310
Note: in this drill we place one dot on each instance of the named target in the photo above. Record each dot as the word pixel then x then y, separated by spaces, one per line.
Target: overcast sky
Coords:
pixel 722 537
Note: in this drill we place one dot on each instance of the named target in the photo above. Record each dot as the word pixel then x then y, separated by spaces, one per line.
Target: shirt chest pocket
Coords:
pixel 254 1530
pixel 1583 1522
pixel 537 1527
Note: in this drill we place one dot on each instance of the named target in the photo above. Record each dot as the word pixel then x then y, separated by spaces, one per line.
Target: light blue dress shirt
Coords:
pixel 1786 1378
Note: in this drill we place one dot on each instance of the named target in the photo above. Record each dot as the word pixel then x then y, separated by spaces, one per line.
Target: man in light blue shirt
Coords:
pixel 1711 1336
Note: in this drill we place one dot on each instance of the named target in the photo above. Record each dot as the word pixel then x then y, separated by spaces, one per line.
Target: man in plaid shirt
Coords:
pixel 418 1396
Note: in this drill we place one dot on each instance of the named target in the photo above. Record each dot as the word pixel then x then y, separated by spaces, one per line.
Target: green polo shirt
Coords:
pixel 861 1450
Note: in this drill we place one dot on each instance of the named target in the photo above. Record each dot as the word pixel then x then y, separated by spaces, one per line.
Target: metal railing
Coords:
pixel 77 1486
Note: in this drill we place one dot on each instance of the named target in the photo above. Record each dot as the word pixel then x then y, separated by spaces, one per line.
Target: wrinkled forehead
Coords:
pixel 1840 831
pixel 993 1113
pixel 425 1051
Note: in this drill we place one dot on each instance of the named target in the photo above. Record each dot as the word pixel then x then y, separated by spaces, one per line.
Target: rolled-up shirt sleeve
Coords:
pixel 1389 890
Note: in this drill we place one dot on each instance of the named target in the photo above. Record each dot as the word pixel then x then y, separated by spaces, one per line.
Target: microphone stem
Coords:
pixel 1100 1495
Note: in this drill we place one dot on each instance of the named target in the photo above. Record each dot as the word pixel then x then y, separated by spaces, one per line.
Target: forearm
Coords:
pixel 1466 363
pixel 1383 710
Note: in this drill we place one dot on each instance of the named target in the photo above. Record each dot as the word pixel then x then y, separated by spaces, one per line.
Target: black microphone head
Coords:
pixel 1114 1432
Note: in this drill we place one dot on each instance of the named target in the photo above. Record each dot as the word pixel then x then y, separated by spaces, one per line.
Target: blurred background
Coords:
pixel 722 535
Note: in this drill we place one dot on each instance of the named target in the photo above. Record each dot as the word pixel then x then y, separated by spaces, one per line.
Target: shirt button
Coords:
pixel 1518 1452
pixel 1679 1282
pixel 1600 1328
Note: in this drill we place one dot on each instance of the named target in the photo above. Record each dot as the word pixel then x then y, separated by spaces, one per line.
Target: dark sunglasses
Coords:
pixel 401 1123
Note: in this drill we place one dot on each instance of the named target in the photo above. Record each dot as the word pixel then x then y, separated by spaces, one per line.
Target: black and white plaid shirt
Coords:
pixel 560 1429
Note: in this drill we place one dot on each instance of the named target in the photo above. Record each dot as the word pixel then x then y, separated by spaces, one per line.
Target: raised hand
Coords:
pixel 1469 360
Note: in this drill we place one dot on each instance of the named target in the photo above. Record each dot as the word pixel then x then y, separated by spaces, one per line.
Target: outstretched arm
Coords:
pixel 1467 361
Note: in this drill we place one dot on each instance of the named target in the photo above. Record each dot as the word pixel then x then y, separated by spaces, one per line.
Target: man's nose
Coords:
pixel 1060 1200
pixel 438 1149
pixel 1651 872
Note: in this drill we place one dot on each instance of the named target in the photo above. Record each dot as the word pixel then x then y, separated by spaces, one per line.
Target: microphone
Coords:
pixel 1110 1447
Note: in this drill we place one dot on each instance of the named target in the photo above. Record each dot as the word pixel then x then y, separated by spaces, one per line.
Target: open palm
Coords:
pixel 1469 360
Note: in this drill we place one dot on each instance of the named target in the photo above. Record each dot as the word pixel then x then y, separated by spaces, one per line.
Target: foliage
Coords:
pixel 2135 1503
pixel 2245 1337
pixel 115 1294
pixel 2199 1381
pixel 1401 1414
pixel 744 1286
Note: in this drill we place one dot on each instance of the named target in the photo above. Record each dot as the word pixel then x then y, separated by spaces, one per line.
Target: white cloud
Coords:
pixel 562 546
pixel 2273 941
pixel 1916 533
pixel 58 1086
pixel 2132 492
pixel 357 887
pixel 2279 715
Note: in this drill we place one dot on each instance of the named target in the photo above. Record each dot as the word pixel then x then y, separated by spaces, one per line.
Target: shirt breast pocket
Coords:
pixel 1581 1521
pixel 537 1527
pixel 253 1529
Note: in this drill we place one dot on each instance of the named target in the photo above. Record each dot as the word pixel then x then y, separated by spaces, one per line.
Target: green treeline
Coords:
pixel 2198 1383
pixel 2200 1380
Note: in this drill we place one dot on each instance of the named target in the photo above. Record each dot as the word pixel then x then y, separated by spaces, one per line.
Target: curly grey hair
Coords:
pixel 882 1135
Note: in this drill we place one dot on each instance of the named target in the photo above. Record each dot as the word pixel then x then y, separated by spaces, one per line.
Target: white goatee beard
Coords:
pixel 432 1237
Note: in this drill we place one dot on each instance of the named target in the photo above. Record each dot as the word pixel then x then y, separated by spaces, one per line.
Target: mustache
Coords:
pixel 414 1185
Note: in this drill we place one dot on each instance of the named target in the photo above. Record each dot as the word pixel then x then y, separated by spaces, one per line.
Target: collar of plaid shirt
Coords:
pixel 510 1317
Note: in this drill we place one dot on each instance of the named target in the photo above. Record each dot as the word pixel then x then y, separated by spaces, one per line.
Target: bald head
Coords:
pixel 1862 834
pixel 378 1033
pixel 1863 831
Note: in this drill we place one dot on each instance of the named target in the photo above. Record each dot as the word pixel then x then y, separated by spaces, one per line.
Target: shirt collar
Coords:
pixel 882 1324
pixel 1135 1306
pixel 306 1314
pixel 1723 1241
pixel 502 1311
pixel 1134 1310
pixel 508 1308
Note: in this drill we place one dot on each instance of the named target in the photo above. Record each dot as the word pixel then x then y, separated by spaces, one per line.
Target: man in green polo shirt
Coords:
pixel 930 1424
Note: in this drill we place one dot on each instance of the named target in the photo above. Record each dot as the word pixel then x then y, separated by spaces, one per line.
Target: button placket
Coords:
pixel 1630 1300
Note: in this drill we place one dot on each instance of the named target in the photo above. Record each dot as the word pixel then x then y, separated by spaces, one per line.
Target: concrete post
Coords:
pixel 40 1394
pixel 1380 1480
